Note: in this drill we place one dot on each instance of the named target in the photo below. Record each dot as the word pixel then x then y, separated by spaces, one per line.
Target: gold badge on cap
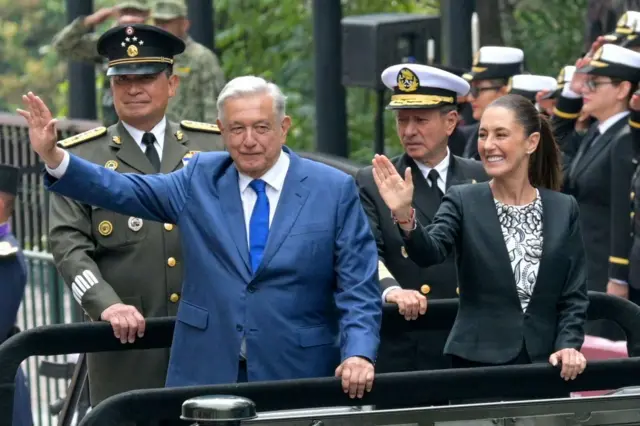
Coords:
pixel 403 251
pixel 111 164
pixel 132 51
pixel 135 224
pixel 179 135
pixel 105 228
pixel 116 140
pixel 560 78
pixel 510 84
pixel 476 58
pixel 622 22
pixel 407 80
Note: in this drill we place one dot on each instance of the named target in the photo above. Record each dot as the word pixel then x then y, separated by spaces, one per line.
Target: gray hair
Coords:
pixel 251 85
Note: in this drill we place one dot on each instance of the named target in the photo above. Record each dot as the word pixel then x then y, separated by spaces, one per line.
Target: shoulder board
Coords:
pixel 83 137
pixel 7 249
pixel 201 127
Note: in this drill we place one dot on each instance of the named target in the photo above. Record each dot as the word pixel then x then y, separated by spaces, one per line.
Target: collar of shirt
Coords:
pixel 606 124
pixel 158 132
pixel 274 177
pixel 442 168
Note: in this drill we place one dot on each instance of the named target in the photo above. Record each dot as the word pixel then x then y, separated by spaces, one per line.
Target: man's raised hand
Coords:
pixel 43 135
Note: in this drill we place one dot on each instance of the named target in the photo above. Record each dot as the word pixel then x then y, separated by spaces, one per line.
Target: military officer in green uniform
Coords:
pixel 123 269
pixel 201 76
pixel 78 42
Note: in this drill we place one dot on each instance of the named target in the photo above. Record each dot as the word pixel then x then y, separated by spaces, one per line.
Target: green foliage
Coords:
pixel 551 33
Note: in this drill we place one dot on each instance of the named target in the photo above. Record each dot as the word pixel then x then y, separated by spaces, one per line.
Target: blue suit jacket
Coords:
pixel 315 299
pixel 13 279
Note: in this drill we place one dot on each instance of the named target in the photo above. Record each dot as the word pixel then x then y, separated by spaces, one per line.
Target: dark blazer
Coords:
pixel 490 325
pixel 422 350
pixel 600 180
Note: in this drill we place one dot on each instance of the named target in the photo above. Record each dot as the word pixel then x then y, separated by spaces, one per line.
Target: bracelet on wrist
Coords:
pixel 405 222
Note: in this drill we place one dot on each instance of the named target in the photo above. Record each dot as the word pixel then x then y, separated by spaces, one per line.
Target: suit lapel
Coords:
pixel 552 229
pixel 174 148
pixel 233 212
pixel 487 210
pixel 599 147
pixel 424 200
pixel 456 174
pixel 292 197
pixel 129 151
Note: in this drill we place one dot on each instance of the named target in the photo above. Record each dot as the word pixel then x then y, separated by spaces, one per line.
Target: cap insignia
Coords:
pixel 560 78
pixel 407 80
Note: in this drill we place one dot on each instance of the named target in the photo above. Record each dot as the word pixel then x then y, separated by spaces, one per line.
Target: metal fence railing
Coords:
pixel 46 301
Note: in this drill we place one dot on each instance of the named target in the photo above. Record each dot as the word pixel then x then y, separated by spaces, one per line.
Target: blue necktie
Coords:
pixel 259 224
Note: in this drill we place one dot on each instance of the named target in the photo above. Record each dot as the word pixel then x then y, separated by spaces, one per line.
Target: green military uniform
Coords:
pixel 121 259
pixel 107 258
pixel 201 76
pixel 77 42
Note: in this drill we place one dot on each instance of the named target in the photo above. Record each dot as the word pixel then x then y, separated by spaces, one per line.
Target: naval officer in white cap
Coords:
pixel 529 85
pixel 424 101
pixel 492 68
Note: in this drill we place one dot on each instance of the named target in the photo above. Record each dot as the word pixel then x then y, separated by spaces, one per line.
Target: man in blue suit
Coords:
pixel 13 279
pixel 280 263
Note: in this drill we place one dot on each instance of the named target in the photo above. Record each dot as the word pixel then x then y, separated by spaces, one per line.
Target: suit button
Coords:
pixel 171 262
pixel 174 298
pixel 425 289
pixel 458 291
pixel 251 289
pixel 239 327
pixel 632 195
pixel 168 227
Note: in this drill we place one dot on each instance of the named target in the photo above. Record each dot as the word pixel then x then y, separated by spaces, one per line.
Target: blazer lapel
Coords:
pixel 600 146
pixel 292 197
pixel 174 149
pixel 130 152
pixel 487 207
pixel 231 204
pixel 424 200
pixel 455 173
pixel 552 229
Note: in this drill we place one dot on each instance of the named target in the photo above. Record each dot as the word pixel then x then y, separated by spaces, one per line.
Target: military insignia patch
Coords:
pixel 202 127
pixel 179 135
pixel 188 156
pixel 407 80
pixel 83 137
pixel 132 51
pixel 111 164
pixel 116 140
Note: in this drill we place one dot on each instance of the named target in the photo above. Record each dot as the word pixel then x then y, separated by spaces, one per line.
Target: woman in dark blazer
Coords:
pixel 518 245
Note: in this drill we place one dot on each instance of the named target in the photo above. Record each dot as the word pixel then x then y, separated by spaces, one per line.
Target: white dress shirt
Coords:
pixel 158 132
pixel 442 168
pixel 606 124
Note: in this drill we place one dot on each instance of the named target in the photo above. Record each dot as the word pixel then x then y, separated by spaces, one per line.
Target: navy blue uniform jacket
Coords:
pixel 313 302
pixel 13 279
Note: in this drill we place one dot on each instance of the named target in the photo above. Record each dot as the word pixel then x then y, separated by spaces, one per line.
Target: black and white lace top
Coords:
pixel 522 232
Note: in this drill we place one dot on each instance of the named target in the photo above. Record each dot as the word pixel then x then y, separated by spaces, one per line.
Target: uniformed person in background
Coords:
pixel 124 269
pixel 489 79
pixel 13 280
pixel 424 102
pixel 529 85
pixel 627 32
pixel 598 172
pixel 78 42
pixel 633 289
pixel 201 76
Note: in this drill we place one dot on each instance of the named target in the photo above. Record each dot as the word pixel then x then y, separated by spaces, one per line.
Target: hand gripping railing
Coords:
pixel 98 337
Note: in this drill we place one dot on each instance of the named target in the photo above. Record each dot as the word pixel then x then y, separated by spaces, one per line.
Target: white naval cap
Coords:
pixel 564 77
pixel 421 86
pixel 614 61
pixel 495 62
pixel 627 30
pixel 528 85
